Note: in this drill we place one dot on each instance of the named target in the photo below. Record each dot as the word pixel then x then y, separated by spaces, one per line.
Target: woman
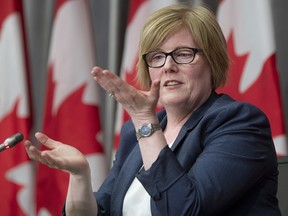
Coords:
pixel 203 154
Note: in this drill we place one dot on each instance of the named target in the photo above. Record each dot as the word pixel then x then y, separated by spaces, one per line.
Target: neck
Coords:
pixel 174 125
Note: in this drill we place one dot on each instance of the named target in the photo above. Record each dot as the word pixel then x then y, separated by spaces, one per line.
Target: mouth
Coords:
pixel 172 83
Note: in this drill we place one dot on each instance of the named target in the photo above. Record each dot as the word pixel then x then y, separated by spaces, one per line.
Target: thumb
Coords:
pixel 155 87
pixel 46 141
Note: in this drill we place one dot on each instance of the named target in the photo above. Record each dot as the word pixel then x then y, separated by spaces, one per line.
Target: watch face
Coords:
pixel 145 130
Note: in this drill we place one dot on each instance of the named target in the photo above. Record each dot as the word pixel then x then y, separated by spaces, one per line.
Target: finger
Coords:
pixel 112 83
pixel 30 149
pixel 123 92
pixel 33 151
pixel 27 144
pixel 107 80
pixel 96 72
pixel 102 77
pixel 46 141
pixel 35 154
pixel 50 161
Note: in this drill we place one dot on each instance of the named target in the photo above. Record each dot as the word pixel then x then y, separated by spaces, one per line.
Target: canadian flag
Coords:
pixel 72 111
pixel 138 12
pixel 16 173
pixel 253 75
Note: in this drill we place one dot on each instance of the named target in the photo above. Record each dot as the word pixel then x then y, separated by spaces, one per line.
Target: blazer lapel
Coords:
pixel 194 119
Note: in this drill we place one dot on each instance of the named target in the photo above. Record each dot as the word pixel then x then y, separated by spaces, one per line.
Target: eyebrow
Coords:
pixel 180 47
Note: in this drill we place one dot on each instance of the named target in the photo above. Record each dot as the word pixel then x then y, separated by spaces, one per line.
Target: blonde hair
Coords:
pixel 205 31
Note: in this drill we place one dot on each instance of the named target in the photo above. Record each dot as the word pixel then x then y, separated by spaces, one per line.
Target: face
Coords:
pixel 182 85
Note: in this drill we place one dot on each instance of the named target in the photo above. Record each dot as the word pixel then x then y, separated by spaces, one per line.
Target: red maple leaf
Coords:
pixel 265 91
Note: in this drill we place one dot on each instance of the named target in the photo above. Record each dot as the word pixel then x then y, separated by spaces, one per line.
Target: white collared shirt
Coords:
pixel 137 200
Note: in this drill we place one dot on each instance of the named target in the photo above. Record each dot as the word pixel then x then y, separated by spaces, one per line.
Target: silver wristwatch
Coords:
pixel 147 130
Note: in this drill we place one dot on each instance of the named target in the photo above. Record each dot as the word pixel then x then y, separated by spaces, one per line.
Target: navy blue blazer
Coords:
pixel 223 162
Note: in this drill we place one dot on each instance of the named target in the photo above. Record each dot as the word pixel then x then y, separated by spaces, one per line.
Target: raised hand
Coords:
pixel 139 104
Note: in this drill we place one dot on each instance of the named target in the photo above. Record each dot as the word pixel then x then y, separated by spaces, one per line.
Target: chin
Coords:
pixel 172 101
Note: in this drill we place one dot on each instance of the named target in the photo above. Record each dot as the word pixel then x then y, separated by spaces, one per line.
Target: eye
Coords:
pixel 158 57
pixel 183 54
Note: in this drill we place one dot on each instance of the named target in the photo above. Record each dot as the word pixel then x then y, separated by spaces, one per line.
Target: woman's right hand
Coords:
pixel 141 105
pixel 58 155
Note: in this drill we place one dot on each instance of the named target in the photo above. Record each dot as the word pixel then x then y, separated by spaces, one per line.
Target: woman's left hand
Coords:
pixel 58 155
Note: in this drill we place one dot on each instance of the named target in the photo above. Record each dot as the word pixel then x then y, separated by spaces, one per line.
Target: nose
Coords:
pixel 170 65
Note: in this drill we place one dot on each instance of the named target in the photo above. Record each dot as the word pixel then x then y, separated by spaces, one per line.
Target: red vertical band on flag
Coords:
pixel 15 112
pixel 253 75
pixel 72 111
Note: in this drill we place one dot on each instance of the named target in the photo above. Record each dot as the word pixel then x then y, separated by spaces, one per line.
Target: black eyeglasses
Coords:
pixel 184 55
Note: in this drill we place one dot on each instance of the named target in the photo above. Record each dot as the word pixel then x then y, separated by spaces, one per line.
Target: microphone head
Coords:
pixel 11 141
pixel 18 137
pixel 14 139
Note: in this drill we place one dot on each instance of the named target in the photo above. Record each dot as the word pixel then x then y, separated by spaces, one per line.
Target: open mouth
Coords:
pixel 172 83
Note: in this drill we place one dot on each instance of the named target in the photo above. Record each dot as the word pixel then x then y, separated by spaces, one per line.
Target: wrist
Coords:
pixel 147 129
pixel 138 122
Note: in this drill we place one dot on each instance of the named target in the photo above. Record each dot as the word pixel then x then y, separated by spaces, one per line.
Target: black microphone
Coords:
pixel 11 141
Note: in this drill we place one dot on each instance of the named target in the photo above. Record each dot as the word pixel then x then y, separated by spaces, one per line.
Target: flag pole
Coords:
pixel 113 62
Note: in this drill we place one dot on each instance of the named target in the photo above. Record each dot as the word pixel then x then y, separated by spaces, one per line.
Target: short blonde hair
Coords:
pixel 205 31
